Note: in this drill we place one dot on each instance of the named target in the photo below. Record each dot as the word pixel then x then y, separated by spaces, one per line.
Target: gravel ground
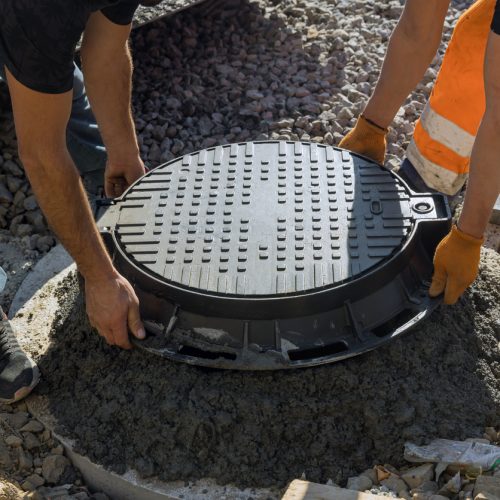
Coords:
pixel 276 69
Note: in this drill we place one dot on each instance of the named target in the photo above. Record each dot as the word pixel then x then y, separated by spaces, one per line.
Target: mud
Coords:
pixel 128 409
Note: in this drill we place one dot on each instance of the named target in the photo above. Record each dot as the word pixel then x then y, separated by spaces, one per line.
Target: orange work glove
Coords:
pixel 456 264
pixel 367 139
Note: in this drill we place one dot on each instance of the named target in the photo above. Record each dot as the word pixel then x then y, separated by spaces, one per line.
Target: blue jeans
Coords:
pixel 82 136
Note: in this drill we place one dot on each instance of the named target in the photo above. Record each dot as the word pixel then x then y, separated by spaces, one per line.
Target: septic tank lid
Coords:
pixel 267 255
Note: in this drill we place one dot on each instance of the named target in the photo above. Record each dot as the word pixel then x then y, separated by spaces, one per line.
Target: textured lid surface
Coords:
pixel 260 219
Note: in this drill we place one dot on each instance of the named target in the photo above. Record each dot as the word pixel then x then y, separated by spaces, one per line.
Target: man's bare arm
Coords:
pixel 412 46
pixel 456 260
pixel 41 121
pixel 107 69
pixel 483 185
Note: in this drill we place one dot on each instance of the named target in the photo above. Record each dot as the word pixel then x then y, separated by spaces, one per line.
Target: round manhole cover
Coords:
pixel 226 244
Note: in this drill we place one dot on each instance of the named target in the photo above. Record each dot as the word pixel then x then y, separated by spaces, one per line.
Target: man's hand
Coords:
pixel 113 309
pixel 120 175
pixel 456 264
pixel 366 139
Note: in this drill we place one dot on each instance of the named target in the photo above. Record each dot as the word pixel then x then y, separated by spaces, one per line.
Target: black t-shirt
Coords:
pixel 38 39
pixel 495 24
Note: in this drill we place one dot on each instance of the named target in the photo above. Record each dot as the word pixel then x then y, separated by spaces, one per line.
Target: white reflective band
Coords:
pixel 446 132
pixel 436 177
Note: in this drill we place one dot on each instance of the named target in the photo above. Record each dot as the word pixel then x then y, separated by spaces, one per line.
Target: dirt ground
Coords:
pixel 127 409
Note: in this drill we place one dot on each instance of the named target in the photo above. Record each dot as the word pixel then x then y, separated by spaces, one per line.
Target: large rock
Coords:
pixel 33 426
pixel 32 482
pixel 5 194
pixel 488 487
pixel 417 475
pixel 359 483
pixel 53 468
pixel 394 483
pixel 5 460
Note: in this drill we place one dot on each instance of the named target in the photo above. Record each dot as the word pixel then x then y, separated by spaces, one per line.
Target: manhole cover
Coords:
pixel 267 255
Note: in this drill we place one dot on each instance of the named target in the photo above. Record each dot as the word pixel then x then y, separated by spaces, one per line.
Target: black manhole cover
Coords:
pixel 267 255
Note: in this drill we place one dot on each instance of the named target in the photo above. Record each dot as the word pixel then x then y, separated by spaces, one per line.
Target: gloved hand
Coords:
pixel 456 264
pixel 367 139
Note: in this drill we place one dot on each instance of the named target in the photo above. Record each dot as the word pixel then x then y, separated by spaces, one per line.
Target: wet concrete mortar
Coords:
pixel 178 422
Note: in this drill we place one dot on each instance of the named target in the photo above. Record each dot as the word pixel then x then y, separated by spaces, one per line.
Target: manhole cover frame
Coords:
pixel 173 313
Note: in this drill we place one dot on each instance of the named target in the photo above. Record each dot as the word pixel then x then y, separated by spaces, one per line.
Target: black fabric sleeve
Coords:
pixel 495 25
pixel 121 12
pixel 38 40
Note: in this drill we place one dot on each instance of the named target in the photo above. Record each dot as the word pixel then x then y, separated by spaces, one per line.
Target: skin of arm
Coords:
pixel 412 46
pixel 41 121
pixel 107 69
pixel 483 185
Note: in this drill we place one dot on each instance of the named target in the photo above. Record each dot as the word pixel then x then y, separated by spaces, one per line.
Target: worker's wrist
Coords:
pixel 127 157
pixel 471 235
pixel 100 270
pixel 98 276
pixel 373 123
pixel 123 151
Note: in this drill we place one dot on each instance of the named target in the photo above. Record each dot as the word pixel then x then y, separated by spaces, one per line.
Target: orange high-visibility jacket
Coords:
pixel 444 135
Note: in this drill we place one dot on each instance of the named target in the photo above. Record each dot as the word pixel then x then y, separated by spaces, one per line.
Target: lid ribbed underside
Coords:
pixel 265 218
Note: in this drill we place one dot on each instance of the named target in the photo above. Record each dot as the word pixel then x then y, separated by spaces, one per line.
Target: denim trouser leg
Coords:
pixel 82 136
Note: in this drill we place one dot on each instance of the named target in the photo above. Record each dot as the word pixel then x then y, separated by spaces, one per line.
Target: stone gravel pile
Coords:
pixel 34 461
pixel 292 70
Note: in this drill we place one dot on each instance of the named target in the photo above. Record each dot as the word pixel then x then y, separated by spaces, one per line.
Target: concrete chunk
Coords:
pixel 488 487
pixel 304 490
pixel 417 475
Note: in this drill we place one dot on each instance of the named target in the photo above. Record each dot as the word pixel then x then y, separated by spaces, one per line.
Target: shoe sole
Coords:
pixel 24 391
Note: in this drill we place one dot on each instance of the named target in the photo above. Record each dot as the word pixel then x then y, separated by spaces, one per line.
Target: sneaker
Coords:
pixel 18 373
pixel 409 174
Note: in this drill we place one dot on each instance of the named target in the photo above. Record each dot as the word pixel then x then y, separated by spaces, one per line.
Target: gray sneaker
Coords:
pixel 18 372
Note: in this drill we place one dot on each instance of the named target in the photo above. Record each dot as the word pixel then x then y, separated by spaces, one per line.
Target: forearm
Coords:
pixel 411 49
pixel 483 186
pixel 108 85
pixel 484 180
pixel 61 197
